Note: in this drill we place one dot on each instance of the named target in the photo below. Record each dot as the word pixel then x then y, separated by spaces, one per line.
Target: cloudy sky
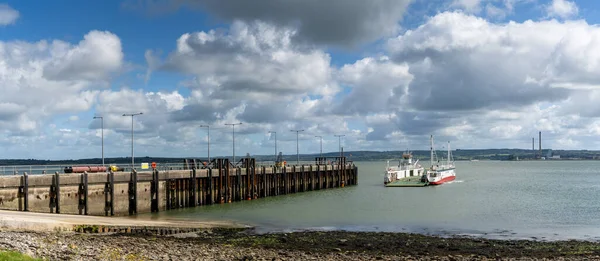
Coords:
pixel 386 74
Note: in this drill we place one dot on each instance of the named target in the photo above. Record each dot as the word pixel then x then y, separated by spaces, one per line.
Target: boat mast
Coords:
pixel 448 152
pixel 431 141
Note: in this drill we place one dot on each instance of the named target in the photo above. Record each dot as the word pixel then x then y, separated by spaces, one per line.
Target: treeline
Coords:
pixel 460 154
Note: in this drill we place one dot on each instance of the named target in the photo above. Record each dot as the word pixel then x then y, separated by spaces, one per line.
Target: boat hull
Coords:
pixel 443 180
pixel 441 176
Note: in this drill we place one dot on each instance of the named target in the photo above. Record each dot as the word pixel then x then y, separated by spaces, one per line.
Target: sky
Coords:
pixel 385 74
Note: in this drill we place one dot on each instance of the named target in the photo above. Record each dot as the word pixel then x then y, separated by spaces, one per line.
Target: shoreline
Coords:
pixel 52 237
pixel 243 244
pixel 47 222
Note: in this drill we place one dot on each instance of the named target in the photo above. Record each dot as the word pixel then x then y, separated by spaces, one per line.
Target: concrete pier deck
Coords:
pixel 130 193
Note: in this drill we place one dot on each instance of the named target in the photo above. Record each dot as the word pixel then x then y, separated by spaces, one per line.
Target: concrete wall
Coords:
pixel 39 190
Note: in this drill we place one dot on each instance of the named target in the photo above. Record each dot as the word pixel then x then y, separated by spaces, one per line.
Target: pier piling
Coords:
pixel 195 185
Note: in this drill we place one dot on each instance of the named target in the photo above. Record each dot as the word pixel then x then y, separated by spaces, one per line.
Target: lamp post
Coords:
pixel 340 142
pixel 297 150
pixel 102 131
pixel 321 137
pixel 132 114
pixel 208 129
pixel 233 132
pixel 274 132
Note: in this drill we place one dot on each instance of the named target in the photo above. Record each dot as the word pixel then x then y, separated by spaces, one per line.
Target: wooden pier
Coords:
pixel 129 193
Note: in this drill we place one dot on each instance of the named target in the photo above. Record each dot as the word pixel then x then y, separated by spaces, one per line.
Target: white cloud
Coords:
pixel 251 68
pixel 43 79
pixel 377 86
pixel 562 9
pixel 8 15
pixel 97 55
pixel 457 76
pixel 470 79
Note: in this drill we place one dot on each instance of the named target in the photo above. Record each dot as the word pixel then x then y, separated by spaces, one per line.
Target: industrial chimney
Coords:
pixel 540 140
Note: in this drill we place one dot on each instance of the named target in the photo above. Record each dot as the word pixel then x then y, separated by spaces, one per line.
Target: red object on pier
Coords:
pixel 89 169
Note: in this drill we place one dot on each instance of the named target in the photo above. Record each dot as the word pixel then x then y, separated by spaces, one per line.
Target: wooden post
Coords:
pixel 53 203
pixel 132 193
pixel 176 194
pixel 264 181
pixel 25 191
pixel 57 190
pixel 227 182
pixel 168 195
pixel 211 194
pixel 82 192
pixel 239 186
pixel 285 181
pixel 154 192
pixel 293 180
pixel 193 199
pixel 112 192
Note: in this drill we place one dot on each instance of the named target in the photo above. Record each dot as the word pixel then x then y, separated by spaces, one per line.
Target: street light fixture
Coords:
pixel 340 142
pixel 274 132
pixel 208 129
pixel 102 130
pixel 297 150
pixel 321 137
pixel 132 114
pixel 233 132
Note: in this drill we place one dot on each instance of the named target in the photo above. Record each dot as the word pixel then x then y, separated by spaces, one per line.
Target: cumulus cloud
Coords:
pixel 253 68
pixel 377 85
pixel 451 58
pixel 42 79
pixel 562 9
pixel 98 54
pixel 8 15
pixel 461 76
pixel 340 22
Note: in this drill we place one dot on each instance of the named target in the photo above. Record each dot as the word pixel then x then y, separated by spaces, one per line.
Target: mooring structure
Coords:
pixel 128 193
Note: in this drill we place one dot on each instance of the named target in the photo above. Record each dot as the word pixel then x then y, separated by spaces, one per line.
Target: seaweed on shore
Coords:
pixel 403 244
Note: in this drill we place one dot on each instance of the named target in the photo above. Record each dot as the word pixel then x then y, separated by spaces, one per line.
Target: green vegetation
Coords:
pixel 15 256
pixel 459 154
pixel 86 228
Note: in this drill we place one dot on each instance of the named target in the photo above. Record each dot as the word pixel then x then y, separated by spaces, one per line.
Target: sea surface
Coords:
pixel 539 200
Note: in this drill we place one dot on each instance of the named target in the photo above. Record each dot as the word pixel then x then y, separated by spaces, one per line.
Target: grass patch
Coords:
pixel 15 256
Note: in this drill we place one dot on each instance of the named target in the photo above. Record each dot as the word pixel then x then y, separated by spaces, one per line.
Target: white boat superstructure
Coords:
pixel 440 172
pixel 405 168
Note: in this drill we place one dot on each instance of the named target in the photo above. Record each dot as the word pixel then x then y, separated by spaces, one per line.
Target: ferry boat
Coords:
pixel 440 172
pixel 405 169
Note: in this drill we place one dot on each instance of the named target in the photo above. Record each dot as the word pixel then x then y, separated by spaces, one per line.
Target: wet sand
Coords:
pixel 31 221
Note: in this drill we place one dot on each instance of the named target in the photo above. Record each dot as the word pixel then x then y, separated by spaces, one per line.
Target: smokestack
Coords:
pixel 533 144
pixel 540 140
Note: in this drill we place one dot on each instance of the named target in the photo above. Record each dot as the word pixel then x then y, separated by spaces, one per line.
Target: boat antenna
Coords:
pixel 431 141
pixel 448 152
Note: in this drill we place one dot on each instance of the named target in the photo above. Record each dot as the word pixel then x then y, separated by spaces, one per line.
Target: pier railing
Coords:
pixel 51 169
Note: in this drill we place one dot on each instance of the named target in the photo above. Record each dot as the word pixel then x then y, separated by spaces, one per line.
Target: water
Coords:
pixel 544 200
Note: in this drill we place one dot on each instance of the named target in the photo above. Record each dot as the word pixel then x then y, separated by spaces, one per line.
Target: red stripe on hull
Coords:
pixel 446 179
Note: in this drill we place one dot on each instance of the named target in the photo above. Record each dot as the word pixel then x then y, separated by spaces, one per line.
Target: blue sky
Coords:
pixel 479 73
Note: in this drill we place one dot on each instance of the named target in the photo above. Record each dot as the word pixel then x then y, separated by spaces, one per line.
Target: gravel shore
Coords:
pixel 243 244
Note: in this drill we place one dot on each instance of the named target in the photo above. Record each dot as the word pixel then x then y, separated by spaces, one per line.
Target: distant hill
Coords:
pixel 459 154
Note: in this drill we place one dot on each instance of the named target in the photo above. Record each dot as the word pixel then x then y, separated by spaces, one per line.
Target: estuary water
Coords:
pixel 543 200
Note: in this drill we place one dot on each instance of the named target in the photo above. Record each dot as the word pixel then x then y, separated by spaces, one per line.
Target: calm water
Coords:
pixel 547 200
